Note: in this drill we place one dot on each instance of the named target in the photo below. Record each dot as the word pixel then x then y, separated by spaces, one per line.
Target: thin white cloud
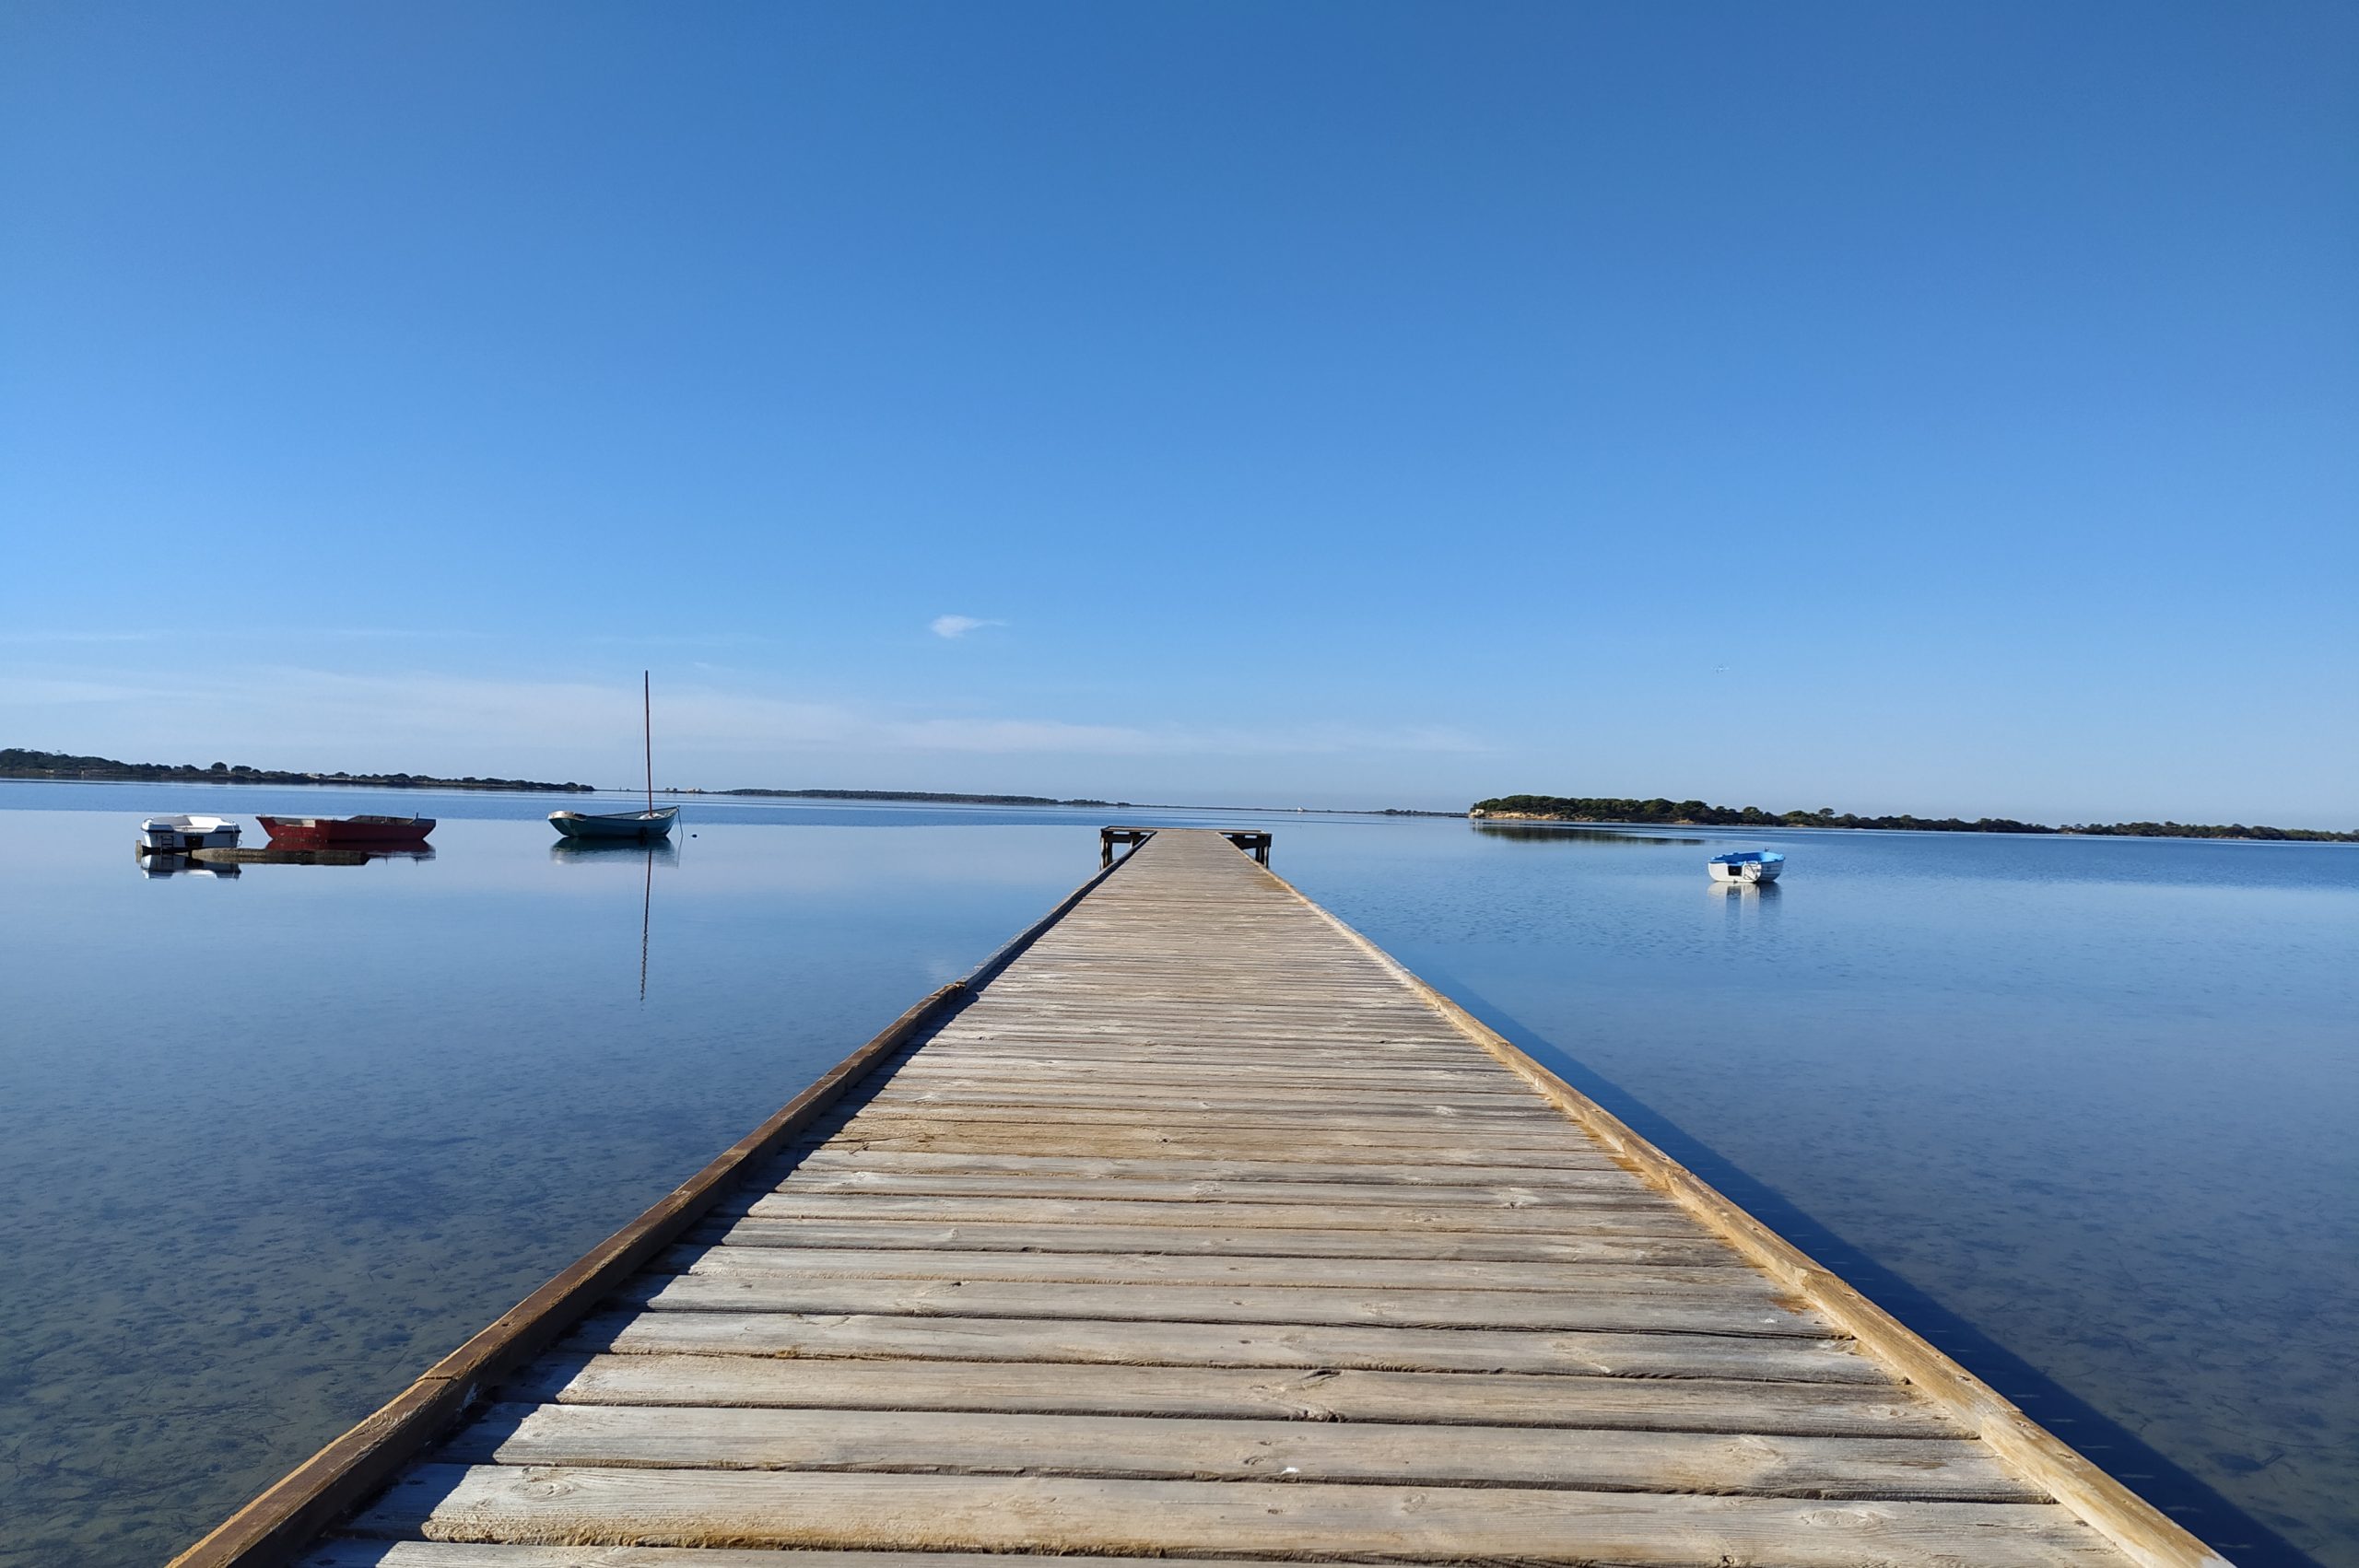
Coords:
pixel 956 626
pixel 294 716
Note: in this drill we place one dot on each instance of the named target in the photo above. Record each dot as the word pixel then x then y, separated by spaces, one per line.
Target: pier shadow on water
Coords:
pixel 2220 1523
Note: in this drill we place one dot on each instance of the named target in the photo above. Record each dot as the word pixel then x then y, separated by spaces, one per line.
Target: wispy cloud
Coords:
pixel 956 626
pixel 291 716
pixel 36 639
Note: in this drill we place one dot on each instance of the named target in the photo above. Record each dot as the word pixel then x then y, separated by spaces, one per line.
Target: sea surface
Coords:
pixel 2083 1111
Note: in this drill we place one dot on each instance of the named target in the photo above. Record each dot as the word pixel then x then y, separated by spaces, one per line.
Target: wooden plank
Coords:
pixel 1445 1165
pixel 1309 1103
pixel 1061 1514
pixel 824 1159
pixel 937 1063
pixel 1211 1140
pixel 1603 1212
pixel 1309 1346
pixel 1632 1404
pixel 1570 1190
pixel 1725 1310
pixel 1260 1240
pixel 1149 1267
pixel 354 1551
pixel 1133 1447
pixel 1050 1138
pixel 1242 1111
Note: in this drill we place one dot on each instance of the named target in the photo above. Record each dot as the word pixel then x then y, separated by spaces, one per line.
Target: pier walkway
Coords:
pixel 1199 1229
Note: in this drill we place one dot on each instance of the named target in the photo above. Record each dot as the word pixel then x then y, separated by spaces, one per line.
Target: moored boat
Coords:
pixel 647 824
pixel 616 825
pixel 1746 865
pixel 346 832
pixel 178 834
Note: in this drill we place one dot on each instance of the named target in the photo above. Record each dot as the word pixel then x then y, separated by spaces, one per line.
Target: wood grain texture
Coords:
pixel 1636 1310
pixel 1323 1393
pixel 1156 1268
pixel 1264 1241
pixel 1307 1346
pixel 1129 1447
pixel 724 1508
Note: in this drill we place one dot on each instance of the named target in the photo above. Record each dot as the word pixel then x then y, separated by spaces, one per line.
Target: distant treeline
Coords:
pixel 17 763
pixel 1697 814
pixel 932 796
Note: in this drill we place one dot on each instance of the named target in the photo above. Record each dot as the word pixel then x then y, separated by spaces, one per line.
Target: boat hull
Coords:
pixel 1746 866
pixel 611 826
pixel 178 834
pixel 346 832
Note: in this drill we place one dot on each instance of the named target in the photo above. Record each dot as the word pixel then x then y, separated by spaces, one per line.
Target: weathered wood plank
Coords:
pixel 1309 1346
pixel 354 1551
pixel 1134 1447
pixel 837 1160
pixel 1497 1130
pixel 1161 1138
pixel 627 1506
pixel 952 1066
pixel 1308 1104
pixel 1260 1240
pixel 1051 1140
pixel 1733 1310
pixel 1149 1268
pixel 1572 1189
pixel 1545 1219
pixel 1632 1404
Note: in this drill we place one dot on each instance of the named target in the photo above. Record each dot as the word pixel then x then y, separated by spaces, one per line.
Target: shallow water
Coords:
pixel 2078 1110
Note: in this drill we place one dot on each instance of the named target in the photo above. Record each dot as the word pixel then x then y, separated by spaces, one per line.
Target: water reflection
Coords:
pixel 1745 906
pixel 646 851
pixel 1564 832
pixel 231 862
pixel 616 850
pixel 163 864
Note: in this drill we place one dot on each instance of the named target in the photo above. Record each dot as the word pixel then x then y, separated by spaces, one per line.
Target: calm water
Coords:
pixel 2082 1111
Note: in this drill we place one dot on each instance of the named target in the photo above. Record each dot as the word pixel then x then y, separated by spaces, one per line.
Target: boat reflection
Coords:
pixel 646 851
pixel 614 849
pixel 1745 903
pixel 156 863
pixel 1744 892
pixel 229 862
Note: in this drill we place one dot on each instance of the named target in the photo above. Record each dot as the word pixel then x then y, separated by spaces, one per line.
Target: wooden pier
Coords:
pixel 1194 1226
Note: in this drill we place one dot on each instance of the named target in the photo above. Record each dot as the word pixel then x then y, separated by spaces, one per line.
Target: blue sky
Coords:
pixel 1891 407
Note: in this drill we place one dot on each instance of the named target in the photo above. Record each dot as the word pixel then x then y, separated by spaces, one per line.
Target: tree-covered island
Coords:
pixel 1697 814
pixel 18 763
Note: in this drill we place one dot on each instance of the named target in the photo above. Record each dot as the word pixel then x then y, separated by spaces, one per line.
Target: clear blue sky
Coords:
pixel 1932 407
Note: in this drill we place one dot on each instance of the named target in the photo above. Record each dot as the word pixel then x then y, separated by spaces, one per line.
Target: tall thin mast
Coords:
pixel 647 729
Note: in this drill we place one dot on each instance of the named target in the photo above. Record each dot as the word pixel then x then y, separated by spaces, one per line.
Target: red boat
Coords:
pixel 347 832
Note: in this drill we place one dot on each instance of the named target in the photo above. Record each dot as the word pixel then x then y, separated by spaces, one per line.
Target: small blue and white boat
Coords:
pixel 1746 865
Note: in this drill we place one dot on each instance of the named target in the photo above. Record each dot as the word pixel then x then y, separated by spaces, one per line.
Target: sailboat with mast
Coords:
pixel 647 824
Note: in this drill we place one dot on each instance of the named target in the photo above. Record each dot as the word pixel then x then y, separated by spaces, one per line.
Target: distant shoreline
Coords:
pixel 38 766
pixel 64 767
pixel 1603 811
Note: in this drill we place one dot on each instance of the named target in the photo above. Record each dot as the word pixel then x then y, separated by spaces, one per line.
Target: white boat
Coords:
pixel 178 834
pixel 1746 865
